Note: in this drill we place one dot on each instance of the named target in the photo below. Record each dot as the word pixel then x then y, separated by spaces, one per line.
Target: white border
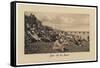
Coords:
pixel 17 33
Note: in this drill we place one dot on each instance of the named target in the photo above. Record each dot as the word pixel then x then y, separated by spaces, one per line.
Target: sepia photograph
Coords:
pixel 56 33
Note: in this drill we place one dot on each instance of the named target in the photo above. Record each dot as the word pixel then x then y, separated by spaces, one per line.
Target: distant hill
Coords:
pixel 34 27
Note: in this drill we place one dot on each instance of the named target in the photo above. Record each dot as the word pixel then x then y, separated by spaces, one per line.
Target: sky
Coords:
pixel 65 22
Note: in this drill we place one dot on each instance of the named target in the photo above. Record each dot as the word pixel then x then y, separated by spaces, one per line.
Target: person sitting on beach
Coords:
pixel 59 45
